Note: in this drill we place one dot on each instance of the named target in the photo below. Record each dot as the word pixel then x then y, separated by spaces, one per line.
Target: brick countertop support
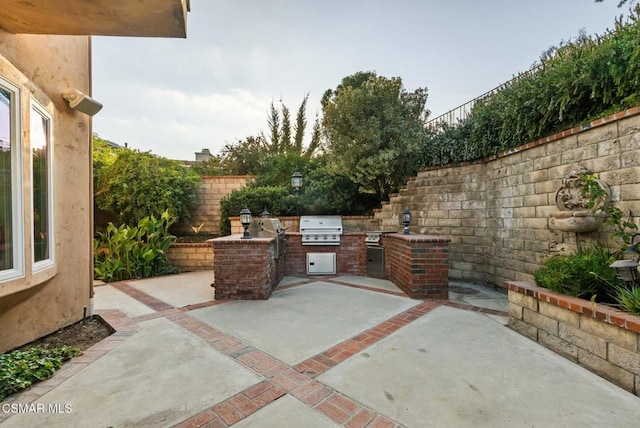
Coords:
pixel 418 264
pixel 246 269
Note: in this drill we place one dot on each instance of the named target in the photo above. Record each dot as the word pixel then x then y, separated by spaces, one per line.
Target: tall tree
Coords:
pixel 301 125
pixel 285 133
pixel 373 128
pixel 273 121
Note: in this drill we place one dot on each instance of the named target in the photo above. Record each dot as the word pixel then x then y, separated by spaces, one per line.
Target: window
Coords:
pixel 11 229
pixel 40 139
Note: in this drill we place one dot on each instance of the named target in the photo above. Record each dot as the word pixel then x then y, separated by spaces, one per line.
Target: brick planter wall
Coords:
pixel 598 337
pixel 351 254
pixel 189 257
pixel 418 264
pixel 245 268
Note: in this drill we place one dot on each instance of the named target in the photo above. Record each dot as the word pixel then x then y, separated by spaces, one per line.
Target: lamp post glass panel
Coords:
pixel 406 219
pixel 245 219
pixel 296 183
pixel 627 269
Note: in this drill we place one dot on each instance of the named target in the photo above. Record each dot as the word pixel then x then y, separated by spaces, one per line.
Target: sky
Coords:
pixel 175 97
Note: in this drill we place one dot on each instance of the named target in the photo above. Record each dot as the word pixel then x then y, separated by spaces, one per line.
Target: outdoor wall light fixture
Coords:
pixel 406 219
pixel 245 219
pixel 265 213
pixel 82 102
pixel 627 269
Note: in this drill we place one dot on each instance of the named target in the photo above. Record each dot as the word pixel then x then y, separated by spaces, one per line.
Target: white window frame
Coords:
pixel 47 263
pixel 17 207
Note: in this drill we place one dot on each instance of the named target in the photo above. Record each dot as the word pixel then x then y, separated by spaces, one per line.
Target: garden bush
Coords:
pixel 278 200
pixel 574 83
pixel 584 274
pixel 139 184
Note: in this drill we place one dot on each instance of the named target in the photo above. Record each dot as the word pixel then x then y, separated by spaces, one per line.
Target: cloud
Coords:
pixel 172 123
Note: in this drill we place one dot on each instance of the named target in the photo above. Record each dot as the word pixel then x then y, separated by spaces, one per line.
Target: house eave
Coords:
pixel 141 18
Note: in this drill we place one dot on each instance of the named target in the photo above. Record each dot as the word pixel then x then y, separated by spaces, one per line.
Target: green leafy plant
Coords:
pixel 278 200
pixel 21 368
pixel 622 227
pixel 127 252
pixel 138 184
pixel 583 274
pixel 628 298
pixel 574 83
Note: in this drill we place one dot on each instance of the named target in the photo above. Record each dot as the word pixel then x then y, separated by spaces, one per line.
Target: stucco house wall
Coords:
pixel 43 67
pixel 36 70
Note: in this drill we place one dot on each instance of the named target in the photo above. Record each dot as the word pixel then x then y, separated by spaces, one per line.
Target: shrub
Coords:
pixel 20 369
pixel 584 274
pixel 126 252
pixel 576 82
pixel 139 184
pixel 278 200
pixel 628 299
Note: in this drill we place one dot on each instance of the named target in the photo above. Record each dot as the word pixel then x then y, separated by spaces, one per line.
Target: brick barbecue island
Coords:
pixel 249 269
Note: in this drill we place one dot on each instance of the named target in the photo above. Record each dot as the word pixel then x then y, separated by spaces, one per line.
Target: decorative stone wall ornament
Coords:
pixel 574 214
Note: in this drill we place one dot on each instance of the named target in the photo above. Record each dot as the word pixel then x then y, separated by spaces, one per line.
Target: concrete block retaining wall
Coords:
pixel 190 257
pixel 211 191
pixel 496 211
pixel 598 337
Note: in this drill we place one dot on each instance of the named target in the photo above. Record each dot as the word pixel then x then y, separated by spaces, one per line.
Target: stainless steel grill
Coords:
pixel 267 228
pixel 321 230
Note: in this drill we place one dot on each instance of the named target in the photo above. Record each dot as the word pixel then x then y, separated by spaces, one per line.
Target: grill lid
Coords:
pixel 326 224
pixel 321 230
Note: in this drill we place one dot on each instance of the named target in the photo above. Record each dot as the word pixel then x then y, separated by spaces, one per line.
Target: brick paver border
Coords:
pixel 280 378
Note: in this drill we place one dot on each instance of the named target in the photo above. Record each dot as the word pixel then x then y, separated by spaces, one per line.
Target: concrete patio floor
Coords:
pixel 322 352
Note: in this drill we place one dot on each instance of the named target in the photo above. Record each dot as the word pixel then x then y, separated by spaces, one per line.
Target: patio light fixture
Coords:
pixel 296 180
pixel 296 183
pixel 265 213
pixel 406 219
pixel 245 219
pixel 627 269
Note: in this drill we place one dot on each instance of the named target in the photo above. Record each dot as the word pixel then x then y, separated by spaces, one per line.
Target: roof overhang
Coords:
pixel 139 18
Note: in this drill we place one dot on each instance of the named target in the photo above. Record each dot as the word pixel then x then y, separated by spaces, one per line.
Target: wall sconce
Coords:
pixel 245 219
pixel 406 219
pixel 81 102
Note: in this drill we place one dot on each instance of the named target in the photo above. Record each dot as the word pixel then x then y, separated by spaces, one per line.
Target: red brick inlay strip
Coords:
pixel 322 362
pixel 141 296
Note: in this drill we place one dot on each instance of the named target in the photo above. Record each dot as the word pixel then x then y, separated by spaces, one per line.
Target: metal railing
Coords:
pixel 454 116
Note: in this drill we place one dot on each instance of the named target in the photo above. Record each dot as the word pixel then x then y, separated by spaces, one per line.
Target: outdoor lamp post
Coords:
pixel 265 213
pixel 245 219
pixel 406 219
pixel 296 183
pixel 627 269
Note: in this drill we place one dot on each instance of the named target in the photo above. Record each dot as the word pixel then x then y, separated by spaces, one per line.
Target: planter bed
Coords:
pixel 600 338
